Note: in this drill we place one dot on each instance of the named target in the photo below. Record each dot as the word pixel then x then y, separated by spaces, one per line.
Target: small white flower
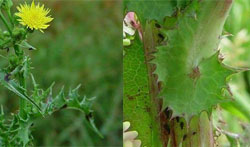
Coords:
pixel 129 137
pixel 127 28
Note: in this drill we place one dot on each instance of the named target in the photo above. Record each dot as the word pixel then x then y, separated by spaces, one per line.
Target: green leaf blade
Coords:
pixel 150 10
pixel 136 98
pixel 188 65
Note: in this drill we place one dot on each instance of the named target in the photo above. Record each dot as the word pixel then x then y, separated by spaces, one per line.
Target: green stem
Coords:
pixel 18 52
pixel 5 22
pixel 10 17
pixel 22 102
pixel 21 79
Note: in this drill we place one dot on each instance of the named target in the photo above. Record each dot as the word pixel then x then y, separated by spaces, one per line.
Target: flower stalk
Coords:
pixel 22 81
pixel 10 17
pixel 5 22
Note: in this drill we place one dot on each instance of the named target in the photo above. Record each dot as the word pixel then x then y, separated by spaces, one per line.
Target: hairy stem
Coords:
pixel 22 82
pixel 22 102
pixel 10 17
pixel 5 22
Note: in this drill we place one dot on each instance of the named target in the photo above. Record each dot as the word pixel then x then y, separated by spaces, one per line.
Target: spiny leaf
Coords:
pixel 23 132
pixel 16 88
pixel 148 10
pixel 25 44
pixel 72 101
pixel 75 101
pixel 9 132
pixel 188 66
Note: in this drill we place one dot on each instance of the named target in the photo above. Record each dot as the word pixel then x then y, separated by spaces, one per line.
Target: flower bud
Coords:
pixel 19 34
pixel 14 61
pixel 6 4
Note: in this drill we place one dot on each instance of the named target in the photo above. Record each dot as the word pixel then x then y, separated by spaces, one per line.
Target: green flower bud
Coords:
pixel 6 4
pixel 13 60
pixel 19 34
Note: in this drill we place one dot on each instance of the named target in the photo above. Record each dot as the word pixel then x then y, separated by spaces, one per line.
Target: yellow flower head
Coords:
pixel 34 16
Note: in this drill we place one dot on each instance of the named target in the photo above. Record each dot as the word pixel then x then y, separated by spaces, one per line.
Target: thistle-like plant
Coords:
pixel 35 103
pixel 173 70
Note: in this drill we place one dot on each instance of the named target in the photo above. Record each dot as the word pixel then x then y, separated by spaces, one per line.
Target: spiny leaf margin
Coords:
pixel 191 50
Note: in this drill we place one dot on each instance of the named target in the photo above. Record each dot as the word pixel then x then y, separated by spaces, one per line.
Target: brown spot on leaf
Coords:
pixel 64 106
pixel 168 113
pixel 182 125
pixel 229 90
pixel 159 85
pixel 195 73
pixel 130 97
pixel 164 124
pixel 89 116
pixel 157 25
pixel 177 119
pixel 7 77
pixel 167 128
pixel 184 137
pixel 161 37
pixel 148 109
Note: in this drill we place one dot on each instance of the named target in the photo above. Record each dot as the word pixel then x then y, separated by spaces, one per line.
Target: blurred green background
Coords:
pixel 232 119
pixel 82 46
